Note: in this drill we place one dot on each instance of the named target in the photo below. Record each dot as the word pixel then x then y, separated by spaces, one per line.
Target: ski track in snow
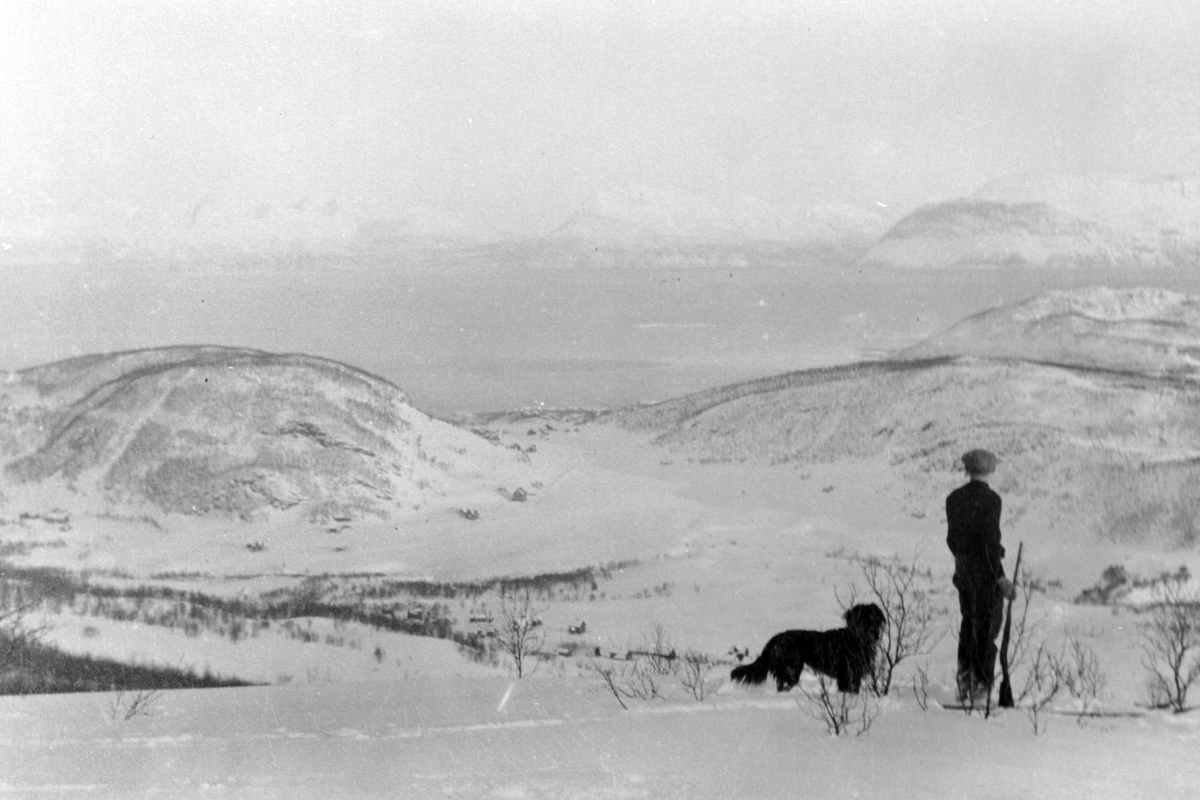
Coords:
pixel 393 732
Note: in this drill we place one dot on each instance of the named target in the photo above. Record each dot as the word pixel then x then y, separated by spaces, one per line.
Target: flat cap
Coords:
pixel 980 462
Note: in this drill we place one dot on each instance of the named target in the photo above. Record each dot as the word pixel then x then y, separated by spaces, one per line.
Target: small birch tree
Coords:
pixel 518 632
pixel 1171 645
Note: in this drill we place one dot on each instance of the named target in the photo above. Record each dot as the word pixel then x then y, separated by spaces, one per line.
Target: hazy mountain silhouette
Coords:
pixel 224 233
pixel 639 226
pixel 630 226
pixel 1053 222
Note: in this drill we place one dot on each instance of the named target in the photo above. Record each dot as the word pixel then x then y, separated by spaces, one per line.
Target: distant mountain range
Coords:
pixel 211 232
pixel 226 432
pixel 633 226
pixel 639 226
pixel 1041 221
pixel 1028 221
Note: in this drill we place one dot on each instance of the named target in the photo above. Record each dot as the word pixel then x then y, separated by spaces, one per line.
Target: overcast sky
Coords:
pixel 513 114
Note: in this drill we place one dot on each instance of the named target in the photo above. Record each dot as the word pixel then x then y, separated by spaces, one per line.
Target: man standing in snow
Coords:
pixel 973 521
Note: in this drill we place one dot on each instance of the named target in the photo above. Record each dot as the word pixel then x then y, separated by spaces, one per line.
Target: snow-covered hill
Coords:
pixel 232 433
pixel 1053 222
pixel 1146 330
pixel 1089 456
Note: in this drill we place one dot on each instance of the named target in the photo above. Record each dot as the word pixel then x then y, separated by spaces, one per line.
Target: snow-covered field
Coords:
pixel 556 738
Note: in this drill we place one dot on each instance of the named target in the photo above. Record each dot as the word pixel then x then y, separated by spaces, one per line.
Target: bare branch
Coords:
pixel 139 703
pixel 839 711
pixel 1171 645
pixel 911 630
pixel 518 632
pixel 693 674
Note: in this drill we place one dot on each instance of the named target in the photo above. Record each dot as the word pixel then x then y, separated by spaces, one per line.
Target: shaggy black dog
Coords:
pixel 845 654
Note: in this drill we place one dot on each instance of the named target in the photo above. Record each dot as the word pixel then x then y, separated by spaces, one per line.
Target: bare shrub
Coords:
pixel 911 630
pixel 649 668
pixel 19 636
pixel 841 712
pixel 1082 676
pixel 607 672
pixel 17 632
pixel 657 651
pixel 126 705
pixel 1171 645
pixel 632 679
pixel 643 681
pixel 693 674
pixel 1043 681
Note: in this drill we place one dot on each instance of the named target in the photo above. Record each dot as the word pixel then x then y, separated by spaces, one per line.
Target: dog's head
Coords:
pixel 866 620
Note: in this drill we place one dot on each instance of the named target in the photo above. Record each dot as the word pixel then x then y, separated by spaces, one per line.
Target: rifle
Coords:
pixel 1006 696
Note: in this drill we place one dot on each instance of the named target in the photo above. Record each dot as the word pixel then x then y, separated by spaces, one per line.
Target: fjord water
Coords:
pixel 499 337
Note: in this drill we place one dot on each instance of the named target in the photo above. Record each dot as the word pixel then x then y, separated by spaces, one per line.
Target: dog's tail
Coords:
pixel 752 673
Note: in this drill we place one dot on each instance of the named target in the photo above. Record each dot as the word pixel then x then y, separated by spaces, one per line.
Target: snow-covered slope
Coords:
pixel 1053 221
pixel 1095 456
pixel 232 433
pixel 1145 330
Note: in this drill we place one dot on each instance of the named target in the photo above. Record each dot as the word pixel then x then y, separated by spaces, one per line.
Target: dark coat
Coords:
pixel 973 523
